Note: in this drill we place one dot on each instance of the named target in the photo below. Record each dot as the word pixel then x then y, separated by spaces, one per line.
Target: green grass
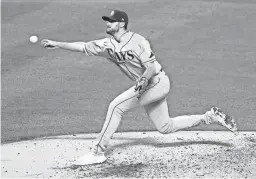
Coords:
pixel 207 47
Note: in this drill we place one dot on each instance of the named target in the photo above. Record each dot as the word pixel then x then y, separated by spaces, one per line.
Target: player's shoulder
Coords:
pixel 138 37
pixel 105 39
pixel 141 41
pixel 100 42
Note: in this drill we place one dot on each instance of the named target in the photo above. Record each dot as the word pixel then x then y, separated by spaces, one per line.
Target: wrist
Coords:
pixel 143 78
pixel 56 44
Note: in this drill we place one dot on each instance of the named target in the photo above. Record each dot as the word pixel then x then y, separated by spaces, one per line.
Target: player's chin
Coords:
pixel 109 31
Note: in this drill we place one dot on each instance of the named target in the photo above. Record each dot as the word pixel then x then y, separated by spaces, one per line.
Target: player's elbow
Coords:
pixel 152 68
pixel 75 46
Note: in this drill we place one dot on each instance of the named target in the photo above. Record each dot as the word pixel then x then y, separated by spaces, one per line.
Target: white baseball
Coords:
pixel 33 39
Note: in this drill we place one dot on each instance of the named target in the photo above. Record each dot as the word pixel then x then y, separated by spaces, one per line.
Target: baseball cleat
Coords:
pixel 93 157
pixel 216 115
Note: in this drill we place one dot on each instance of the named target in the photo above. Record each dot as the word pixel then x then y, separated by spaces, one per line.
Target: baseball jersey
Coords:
pixel 132 55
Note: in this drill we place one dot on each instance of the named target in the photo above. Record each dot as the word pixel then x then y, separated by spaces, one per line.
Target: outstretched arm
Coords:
pixel 72 46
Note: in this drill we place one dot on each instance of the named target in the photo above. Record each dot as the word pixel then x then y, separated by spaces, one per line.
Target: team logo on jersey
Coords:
pixel 121 57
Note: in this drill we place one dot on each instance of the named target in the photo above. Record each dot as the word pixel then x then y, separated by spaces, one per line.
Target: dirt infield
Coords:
pixel 197 154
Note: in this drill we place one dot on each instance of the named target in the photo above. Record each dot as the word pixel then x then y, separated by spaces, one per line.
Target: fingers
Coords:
pixel 45 42
pixel 48 44
pixel 137 88
pixel 140 92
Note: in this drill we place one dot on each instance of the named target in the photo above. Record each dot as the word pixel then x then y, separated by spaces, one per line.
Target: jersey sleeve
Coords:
pixel 146 55
pixel 95 47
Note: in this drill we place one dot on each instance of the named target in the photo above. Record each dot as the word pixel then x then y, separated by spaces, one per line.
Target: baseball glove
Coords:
pixel 141 85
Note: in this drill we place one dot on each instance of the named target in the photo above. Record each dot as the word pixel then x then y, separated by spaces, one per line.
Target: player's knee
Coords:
pixel 163 131
pixel 111 106
pixel 115 108
pixel 166 129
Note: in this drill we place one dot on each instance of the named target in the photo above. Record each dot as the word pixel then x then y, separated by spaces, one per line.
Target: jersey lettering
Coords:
pixel 133 55
pixel 121 57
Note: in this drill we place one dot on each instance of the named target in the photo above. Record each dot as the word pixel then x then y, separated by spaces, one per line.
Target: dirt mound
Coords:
pixel 197 154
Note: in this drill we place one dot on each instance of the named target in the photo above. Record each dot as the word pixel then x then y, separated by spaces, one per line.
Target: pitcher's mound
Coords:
pixel 185 154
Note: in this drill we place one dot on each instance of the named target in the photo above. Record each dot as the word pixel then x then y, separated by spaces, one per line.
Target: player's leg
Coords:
pixel 158 113
pixel 154 101
pixel 122 103
pixel 125 101
pixel 155 104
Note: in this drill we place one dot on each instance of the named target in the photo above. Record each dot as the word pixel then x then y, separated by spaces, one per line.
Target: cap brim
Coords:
pixel 106 18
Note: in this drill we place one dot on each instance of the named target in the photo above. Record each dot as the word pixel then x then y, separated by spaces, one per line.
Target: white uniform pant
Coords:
pixel 155 104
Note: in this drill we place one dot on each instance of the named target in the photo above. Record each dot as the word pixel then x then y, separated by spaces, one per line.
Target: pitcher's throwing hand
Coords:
pixel 49 44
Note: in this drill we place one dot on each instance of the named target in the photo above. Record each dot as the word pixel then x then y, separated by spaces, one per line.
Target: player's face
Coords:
pixel 112 27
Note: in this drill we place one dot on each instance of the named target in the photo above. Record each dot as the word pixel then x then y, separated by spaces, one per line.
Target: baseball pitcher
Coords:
pixel 133 55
